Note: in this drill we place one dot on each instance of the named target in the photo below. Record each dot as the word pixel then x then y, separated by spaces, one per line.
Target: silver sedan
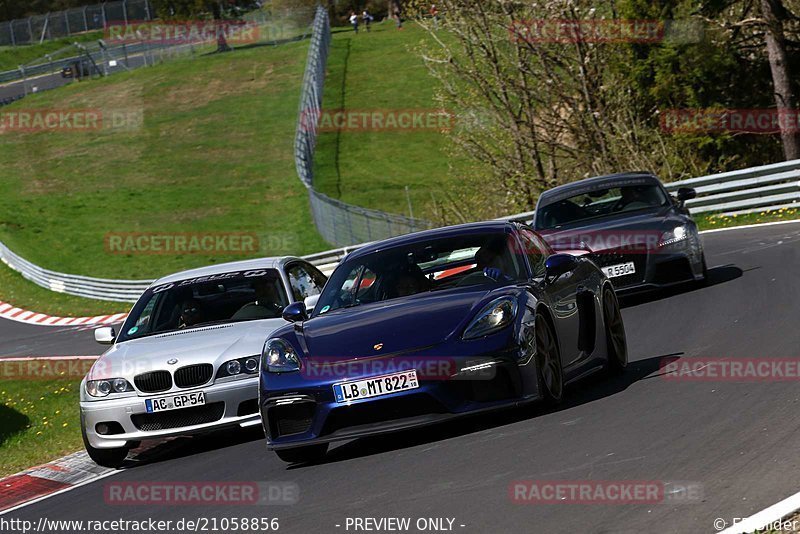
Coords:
pixel 186 360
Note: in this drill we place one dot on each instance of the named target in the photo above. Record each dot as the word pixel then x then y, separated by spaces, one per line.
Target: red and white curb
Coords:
pixel 9 311
pixel 50 479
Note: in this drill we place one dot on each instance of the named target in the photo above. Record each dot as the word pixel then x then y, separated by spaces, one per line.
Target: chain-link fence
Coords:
pixel 339 223
pixel 60 24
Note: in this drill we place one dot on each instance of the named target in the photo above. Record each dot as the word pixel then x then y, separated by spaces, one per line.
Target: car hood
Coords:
pixel 213 344
pixel 633 229
pixel 393 327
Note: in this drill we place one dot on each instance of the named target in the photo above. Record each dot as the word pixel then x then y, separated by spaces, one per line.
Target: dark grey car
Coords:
pixel 634 230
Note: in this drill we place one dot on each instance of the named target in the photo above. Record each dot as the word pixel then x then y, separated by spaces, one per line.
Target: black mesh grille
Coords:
pixel 196 415
pixel 153 382
pixel 193 375
pixel 290 419
pixel 607 258
pixel 379 411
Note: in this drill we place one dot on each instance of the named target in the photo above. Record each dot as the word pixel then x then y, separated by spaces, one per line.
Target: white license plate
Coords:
pixel 175 402
pixel 375 387
pixel 620 269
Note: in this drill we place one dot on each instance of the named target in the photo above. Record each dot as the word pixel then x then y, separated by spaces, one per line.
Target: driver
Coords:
pixel 267 304
pixel 490 259
pixel 190 313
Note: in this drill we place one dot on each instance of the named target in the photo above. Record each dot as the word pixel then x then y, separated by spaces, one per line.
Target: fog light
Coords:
pixel 234 367
pixel 102 429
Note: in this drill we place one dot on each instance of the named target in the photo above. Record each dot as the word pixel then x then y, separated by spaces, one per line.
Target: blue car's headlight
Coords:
pixel 495 316
pixel 278 356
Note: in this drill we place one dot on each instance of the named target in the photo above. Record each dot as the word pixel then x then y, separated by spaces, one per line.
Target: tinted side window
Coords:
pixel 535 249
pixel 305 280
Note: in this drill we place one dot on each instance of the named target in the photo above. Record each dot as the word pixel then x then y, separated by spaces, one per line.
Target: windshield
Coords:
pixel 228 297
pixel 600 203
pixel 422 267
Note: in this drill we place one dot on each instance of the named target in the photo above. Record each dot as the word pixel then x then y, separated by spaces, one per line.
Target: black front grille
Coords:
pixel 379 411
pixel 193 375
pixel 290 419
pixel 153 382
pixel 196 415
pixel 607 258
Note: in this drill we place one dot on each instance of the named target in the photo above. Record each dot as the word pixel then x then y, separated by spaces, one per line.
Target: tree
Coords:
pixel 218 10
pixel 775 14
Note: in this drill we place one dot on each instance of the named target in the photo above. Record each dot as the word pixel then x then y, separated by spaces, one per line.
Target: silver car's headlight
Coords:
pixel 279 356
pixel 102 388
pixel 495 316
pixel 241 367
pixel 676 235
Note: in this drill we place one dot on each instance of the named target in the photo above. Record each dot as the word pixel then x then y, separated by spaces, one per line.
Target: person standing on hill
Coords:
pixel 367 18
pixel 398 17
pixel 435 15
pixel 354 21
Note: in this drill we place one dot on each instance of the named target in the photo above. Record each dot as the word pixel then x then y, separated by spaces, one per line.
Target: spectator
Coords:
pixel 367 18
pixel 435 15
pixel 354 21
pixel 398 17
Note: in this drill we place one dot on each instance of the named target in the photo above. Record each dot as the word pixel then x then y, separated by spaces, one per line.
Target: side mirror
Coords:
pixel 310 302
pixel 105 335
pixel 686 193
pixel 295 312
pixel 559 264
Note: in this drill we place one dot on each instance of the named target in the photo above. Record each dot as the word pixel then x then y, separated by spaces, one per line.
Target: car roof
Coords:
pixel 591 184
pixel 245 265
pixel 444 232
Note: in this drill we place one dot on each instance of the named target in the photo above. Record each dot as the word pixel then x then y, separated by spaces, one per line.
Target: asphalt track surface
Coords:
pixel 738 440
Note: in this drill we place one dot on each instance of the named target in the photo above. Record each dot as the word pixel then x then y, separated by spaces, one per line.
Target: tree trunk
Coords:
pixel 774 14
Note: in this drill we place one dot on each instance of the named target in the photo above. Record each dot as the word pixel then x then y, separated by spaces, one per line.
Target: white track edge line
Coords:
pixel 771 514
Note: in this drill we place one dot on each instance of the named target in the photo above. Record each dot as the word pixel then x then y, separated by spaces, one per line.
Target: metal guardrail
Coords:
pixel 743 189
pixel 338 222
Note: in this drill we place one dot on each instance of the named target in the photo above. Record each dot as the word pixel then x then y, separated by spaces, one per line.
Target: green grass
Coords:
pixel 379 71
pixel 12 57
pixel 39 422
pixel 214 154
pixel 712 221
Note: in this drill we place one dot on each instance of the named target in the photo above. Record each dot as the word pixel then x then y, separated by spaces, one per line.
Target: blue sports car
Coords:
pixel 424 327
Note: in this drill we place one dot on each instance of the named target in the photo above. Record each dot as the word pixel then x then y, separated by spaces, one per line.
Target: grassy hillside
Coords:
pixel 379 71
pixel 213 154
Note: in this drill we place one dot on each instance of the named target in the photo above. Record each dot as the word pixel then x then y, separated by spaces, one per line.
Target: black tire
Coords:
pixel 303 455
pixel 549 371
pixel 616 341
pixel 111 458
pixel 704 281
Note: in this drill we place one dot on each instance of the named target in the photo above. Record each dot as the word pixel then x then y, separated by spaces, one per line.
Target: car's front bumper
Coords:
pixel 232 403
pixel 297 411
